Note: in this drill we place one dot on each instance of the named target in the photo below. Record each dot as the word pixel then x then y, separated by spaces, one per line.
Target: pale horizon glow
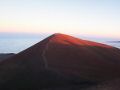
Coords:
pixel 89 17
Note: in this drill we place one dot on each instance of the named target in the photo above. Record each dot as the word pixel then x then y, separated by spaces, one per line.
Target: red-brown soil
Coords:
pixel 60 60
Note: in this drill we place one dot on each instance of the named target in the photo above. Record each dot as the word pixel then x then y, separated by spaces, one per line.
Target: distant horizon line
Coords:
pixel 13 34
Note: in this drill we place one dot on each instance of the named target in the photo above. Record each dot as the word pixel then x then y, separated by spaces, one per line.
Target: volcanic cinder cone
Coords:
pixel 59 56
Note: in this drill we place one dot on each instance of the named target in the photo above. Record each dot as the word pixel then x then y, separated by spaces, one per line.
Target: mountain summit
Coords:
pixel 58 60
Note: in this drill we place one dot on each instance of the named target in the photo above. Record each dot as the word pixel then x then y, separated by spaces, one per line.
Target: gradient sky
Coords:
pixel 90 17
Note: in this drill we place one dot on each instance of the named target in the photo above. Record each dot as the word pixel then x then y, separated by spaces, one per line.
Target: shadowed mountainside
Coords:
pixel 107 85
pixel 60 60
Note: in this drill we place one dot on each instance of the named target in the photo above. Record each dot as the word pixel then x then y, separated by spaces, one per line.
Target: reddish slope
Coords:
pixel 86 59
pixel 66 55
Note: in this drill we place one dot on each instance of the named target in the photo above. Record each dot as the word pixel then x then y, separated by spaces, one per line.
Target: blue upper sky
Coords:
pixel 90 17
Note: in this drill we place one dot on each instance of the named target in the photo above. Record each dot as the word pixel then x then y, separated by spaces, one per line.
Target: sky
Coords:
pixel 85 17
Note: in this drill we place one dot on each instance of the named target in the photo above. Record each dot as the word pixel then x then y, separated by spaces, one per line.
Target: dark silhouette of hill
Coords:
pixel 59 61
pixel 5 56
